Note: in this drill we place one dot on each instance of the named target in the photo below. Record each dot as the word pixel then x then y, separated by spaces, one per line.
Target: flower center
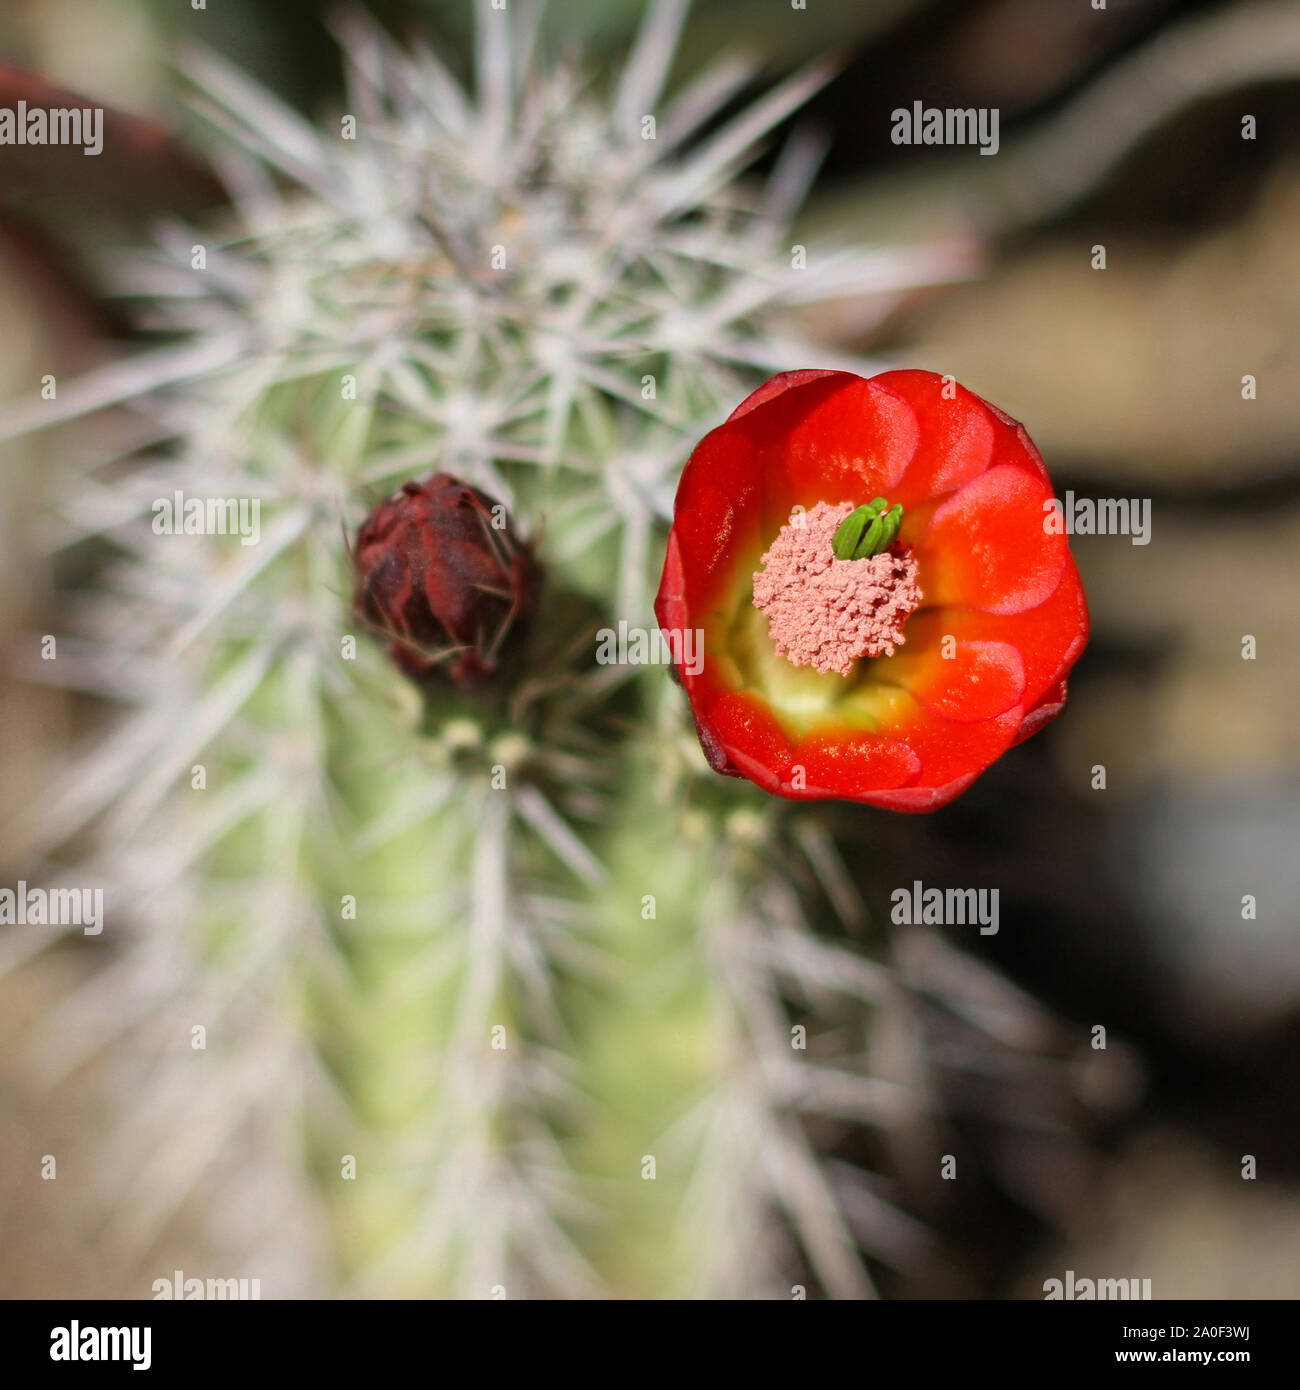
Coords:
pixel 827 612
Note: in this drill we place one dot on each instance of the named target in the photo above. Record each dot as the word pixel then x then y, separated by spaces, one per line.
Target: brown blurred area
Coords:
pixel 1130 379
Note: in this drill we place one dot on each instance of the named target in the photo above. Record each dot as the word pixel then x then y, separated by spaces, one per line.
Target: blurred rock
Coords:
pixel 1183 1217
pixel 1134 373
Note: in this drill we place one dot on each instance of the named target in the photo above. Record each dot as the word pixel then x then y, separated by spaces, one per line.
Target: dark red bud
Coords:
pixel 442 575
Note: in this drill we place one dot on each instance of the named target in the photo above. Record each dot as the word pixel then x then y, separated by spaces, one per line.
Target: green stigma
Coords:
pixel 867 530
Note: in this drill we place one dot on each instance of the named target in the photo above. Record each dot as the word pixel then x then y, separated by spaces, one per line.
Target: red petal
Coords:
pixel 1015 446
pixel 718 510
pixel 1049 637
pixel 747 732
pixel 986 546
pixel 1043 713
pixel 849 447
pixel 957 435
pixel 921 799
pixel 671 608
pixel 980 680
pixel 823 436
pixel 949 750
pixel 852 764
pixel 779 384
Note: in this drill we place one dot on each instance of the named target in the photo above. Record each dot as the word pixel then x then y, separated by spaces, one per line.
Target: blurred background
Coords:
pixel 1121 128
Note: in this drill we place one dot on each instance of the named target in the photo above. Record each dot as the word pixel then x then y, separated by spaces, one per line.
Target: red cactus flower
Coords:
pixel 441 573
pixel 913 627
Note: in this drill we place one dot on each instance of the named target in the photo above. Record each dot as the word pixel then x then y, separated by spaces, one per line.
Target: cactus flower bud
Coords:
pixel 442 575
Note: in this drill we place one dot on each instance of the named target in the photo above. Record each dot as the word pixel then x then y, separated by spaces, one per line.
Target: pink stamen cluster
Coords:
pixel 828 613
